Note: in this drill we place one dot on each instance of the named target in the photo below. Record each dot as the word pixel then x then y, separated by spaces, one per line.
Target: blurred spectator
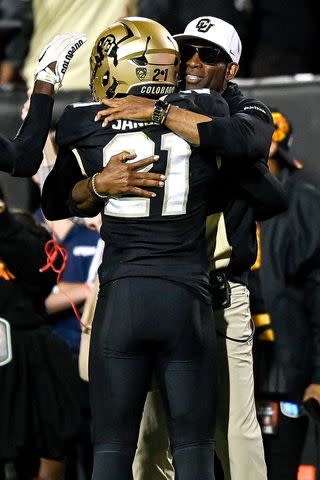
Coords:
pixel 175 16
pixel 285 301
pixel 79 237
pixel 286 37
pixel 14 50
pixel 55 17
pixel 75 286
pixel 80 243
pixel 39 403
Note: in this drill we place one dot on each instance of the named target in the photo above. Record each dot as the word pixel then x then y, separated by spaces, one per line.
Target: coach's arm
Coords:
pixel 246 133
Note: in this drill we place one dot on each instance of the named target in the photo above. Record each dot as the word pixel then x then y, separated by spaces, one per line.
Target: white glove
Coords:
pixel 60 50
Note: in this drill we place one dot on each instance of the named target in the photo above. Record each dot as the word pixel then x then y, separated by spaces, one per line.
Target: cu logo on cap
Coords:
pixel 204 25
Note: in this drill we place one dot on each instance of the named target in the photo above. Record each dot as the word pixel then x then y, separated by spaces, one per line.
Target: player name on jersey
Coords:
pixel 129 125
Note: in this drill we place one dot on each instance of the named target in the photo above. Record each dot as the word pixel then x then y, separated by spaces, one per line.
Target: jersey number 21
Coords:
pixel 176 187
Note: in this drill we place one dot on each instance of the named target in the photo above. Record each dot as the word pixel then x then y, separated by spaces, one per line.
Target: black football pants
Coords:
pixel 145 325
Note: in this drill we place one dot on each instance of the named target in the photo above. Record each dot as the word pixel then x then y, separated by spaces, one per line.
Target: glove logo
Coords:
pixel 141 73
pixel 204 25
pixel 70 55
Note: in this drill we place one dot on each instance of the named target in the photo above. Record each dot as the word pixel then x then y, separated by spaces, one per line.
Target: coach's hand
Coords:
pixel 129 108
pixel 120 176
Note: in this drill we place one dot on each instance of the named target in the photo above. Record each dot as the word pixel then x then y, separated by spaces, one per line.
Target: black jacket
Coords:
pixel 245 189
pixel 290 287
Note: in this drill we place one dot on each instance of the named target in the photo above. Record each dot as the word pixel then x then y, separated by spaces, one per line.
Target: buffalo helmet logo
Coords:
pixel 108 44
pixel 141 73
pixel 204 25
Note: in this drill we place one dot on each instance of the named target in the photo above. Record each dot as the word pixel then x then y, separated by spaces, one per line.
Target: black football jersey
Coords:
pixel 158 237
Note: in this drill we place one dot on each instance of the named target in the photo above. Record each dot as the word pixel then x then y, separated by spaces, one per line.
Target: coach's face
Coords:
pixel 205 68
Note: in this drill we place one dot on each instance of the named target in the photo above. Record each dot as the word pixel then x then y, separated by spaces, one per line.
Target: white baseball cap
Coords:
pixel 213 30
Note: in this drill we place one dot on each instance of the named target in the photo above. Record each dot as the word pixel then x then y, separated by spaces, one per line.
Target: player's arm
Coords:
pixel 22 156
pixel 66 192
pixel 58 185
pixel 117 178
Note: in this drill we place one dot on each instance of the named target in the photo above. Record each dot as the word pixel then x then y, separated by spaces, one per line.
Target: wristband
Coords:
pixel 160 112
pixel 164 116
pixel 92 188
pixel 48 76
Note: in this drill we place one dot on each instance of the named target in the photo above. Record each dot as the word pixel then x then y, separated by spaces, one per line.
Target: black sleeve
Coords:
pixel 252 183
pixel 263 191
pixel 247 133
pixel 211 104
pixel 22 156
pixel 59 184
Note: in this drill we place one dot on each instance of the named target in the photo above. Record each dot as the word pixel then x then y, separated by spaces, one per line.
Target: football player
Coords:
pixel 154 308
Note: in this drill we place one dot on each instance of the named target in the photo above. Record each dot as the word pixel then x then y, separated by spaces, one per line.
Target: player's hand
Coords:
pixel 128 108
pixel 312 391
pixel 120 177
pixel 56 55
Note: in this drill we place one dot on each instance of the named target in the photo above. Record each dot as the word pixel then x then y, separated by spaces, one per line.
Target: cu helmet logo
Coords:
pixel 109 42
pixel 204 25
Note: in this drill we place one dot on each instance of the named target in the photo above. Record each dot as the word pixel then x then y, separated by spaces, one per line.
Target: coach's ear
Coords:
pixel 232 70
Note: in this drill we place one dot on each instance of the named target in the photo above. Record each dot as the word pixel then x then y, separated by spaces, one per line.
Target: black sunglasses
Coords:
pixel 206 54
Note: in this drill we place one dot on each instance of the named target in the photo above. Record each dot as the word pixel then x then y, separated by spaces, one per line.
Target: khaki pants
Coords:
pixel 238 436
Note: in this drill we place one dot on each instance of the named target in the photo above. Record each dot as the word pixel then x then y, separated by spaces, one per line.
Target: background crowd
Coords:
pixel 279 38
